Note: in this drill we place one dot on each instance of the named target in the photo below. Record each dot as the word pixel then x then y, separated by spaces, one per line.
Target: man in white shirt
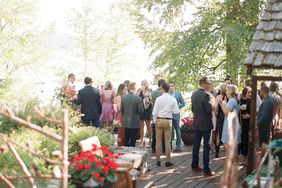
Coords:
pixel 164 107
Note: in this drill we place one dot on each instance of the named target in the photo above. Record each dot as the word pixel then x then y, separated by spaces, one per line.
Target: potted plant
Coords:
pixel 90 167
pixel 187 130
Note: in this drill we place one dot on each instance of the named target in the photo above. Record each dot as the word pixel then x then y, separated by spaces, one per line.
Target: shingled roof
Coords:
pixel 266 47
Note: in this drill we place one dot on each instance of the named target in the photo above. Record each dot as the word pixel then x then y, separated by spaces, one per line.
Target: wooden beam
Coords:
pixel 29 125
pixel 21 164
pixel 6 181
pixel 65 123
pixel 41 114
pixel 29 150
pixel 269 78
pixel 252 132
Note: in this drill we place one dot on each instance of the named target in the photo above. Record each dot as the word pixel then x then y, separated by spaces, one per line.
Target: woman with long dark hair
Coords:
pixel 245 107
pixel 219 118
pixel 122 90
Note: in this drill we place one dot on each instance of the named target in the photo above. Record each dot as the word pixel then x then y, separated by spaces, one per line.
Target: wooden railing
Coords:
pixel 63 154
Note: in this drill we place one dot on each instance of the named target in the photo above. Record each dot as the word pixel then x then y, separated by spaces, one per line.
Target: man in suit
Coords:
pixel 176 117
pixel 155 94
pixel 91 106
pixel 202 111
pixel 131 108
pixel 265 116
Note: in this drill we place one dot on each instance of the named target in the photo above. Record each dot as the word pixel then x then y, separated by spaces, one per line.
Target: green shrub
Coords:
pixel 82 133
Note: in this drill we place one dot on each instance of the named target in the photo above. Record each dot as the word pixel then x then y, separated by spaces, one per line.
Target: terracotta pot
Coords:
pixel 187 136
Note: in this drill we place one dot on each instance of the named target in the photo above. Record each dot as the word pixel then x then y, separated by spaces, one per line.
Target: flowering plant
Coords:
pixel 187 122
pixel 91 164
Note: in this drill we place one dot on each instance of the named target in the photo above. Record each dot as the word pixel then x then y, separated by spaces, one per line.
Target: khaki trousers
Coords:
pixel 163 126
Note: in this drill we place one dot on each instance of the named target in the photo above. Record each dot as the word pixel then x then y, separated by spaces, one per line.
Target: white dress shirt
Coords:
pixel 164 107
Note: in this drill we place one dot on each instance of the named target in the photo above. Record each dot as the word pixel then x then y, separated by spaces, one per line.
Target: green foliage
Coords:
pixel 19 41
pixel 82 133
pixel 9 165
pixel 213 44
pixel 26 110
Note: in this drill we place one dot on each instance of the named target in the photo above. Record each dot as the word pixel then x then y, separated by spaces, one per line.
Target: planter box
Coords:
pixel 187 136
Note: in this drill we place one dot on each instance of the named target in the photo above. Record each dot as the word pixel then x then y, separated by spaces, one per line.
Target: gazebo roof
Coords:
pixel 266 47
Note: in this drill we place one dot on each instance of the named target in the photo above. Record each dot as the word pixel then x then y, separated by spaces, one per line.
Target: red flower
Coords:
pixel 106 169
pixel 96 175
pixel 105 148
pixel 87 166
pixel 91 159
pixel 119 154
pixel 79 166
pixel 76 159
pixel 102 179
pixel 94 147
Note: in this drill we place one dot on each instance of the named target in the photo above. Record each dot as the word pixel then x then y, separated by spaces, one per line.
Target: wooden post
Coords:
pixel 65 123
pixel 21 163
pixel 6 181
pixel 252 132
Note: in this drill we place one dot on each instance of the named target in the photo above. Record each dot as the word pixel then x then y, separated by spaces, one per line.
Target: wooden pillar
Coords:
pixel 252 132
pixel 65 123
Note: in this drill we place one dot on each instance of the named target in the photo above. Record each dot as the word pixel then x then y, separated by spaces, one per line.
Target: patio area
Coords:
pixel 180 175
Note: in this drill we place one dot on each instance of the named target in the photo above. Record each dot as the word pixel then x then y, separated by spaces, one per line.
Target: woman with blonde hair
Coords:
pixel 107 97
pixel 145 118
pixel 230 106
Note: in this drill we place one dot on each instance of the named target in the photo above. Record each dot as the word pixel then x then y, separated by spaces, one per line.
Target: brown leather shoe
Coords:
pixel 208 174
pixel 197 169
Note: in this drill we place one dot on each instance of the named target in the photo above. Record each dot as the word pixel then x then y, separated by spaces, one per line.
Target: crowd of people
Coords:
pixel 133 109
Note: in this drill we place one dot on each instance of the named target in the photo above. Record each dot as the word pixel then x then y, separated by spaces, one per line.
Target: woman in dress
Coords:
pixel 232 105
pixel 219 118
pixel 122 90
pixel 245 107
pixel 107 97
pixel 214 104
pixel 145 118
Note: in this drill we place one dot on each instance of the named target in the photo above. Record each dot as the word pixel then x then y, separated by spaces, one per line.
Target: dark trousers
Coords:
pixel 130 137
pixel 243 146
pixel 154 142
pixel 218 135
pixel 95 122
pixel 264 134
pixel 197 142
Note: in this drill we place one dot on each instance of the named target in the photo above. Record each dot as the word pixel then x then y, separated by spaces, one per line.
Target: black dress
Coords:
pixel 219 126
pixel 147 114
pixel 245 123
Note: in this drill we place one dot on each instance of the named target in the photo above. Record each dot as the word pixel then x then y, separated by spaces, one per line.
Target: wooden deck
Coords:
pixel 180 175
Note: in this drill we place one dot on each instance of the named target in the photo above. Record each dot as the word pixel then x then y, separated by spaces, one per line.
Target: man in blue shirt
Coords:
pixel 176 117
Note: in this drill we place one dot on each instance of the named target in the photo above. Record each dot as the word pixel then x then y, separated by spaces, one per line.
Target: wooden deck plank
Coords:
pixel 180 175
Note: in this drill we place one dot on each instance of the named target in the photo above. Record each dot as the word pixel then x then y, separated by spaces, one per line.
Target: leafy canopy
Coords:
pixel 214 43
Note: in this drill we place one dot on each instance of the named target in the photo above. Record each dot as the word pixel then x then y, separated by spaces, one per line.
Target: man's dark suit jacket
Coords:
pixel 131 108
pixel 90 101
pixel 202 110
pixel 265 114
